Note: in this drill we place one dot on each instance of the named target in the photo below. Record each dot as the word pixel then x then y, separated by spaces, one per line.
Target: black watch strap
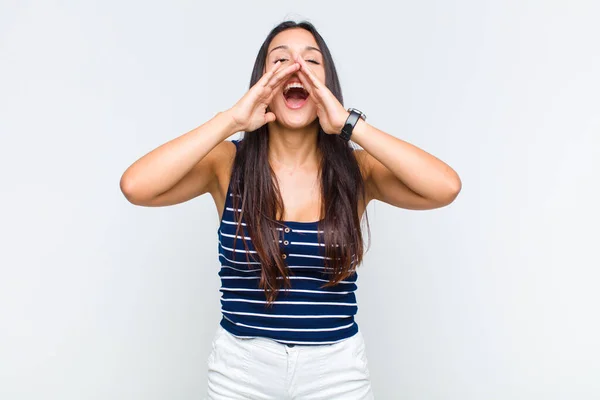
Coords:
pixel 355 114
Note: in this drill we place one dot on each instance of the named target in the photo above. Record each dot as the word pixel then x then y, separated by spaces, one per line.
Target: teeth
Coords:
pixel 292 85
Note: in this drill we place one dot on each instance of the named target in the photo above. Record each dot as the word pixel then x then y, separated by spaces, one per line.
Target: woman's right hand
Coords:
pixel 249 113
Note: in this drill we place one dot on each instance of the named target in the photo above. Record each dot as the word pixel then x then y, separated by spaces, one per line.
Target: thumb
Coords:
pixel 270 117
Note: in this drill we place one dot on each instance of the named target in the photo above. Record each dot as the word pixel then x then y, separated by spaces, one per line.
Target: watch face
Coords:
pixel 362 114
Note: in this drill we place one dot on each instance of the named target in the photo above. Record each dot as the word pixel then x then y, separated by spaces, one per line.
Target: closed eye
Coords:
pixel 285 59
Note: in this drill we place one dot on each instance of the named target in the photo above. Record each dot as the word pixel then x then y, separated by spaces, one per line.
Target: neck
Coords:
pixel 293 148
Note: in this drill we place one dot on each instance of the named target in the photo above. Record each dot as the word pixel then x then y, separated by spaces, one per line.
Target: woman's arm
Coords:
pixel 180 169
pixel 187 166
pixel 397 172
pixel 401 174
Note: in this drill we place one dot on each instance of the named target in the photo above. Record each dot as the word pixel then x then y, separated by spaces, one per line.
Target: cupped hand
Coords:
pixel 332 114
pixel 250 112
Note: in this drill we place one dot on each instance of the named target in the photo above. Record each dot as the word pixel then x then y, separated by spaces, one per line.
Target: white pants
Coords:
pixel 261 368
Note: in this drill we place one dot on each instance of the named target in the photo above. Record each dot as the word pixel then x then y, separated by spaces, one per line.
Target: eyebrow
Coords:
pixel 283 46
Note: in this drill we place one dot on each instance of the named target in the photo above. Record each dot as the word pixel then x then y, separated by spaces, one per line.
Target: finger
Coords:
pixel 306 82
pixel 314 80
pixel 281 76
pixel 323 97
pixel 277 78
pixel 274 90
pixel 270 117
pixel 277 81
pixel 269 74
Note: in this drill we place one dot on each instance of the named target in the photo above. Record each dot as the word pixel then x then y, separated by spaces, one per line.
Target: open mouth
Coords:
pixel 295 95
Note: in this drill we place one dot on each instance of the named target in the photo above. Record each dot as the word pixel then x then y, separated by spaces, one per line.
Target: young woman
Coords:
pixel 291 196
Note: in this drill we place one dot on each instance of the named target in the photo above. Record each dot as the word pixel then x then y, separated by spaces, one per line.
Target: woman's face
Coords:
pixel 292 107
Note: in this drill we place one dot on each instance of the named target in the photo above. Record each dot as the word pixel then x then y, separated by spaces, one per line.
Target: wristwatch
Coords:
pixel 351 122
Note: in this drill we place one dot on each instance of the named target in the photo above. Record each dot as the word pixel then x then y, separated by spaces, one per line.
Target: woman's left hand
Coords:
pixel 332 114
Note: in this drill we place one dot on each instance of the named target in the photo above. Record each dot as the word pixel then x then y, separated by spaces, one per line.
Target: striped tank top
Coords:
pixel 304 314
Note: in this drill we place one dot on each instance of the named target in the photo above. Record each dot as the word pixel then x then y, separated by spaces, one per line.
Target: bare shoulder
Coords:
pixel 223 155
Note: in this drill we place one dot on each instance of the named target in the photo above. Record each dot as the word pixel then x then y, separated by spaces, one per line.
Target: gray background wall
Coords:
pixel 493 297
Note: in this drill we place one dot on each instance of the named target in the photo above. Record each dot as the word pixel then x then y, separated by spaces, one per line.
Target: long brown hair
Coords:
pixel 262 206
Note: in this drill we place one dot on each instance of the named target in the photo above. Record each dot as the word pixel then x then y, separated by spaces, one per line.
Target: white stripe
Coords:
pixel 286 316
pixel 232 222
pixel 310 244
pixel 235 236
pixel 279 229
pixel 283 222
pixel 308 267
pixel 308 256
pixel 241 277
pixel 280 277
pixel 237 250
pixel 304 303
pixel 280 241
pixel 289 255
pixel 306 231
pixel 313 267
pixel 294 329
pixel 238 262
pixel 257 262
pixel 241 270
pixel 283 290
